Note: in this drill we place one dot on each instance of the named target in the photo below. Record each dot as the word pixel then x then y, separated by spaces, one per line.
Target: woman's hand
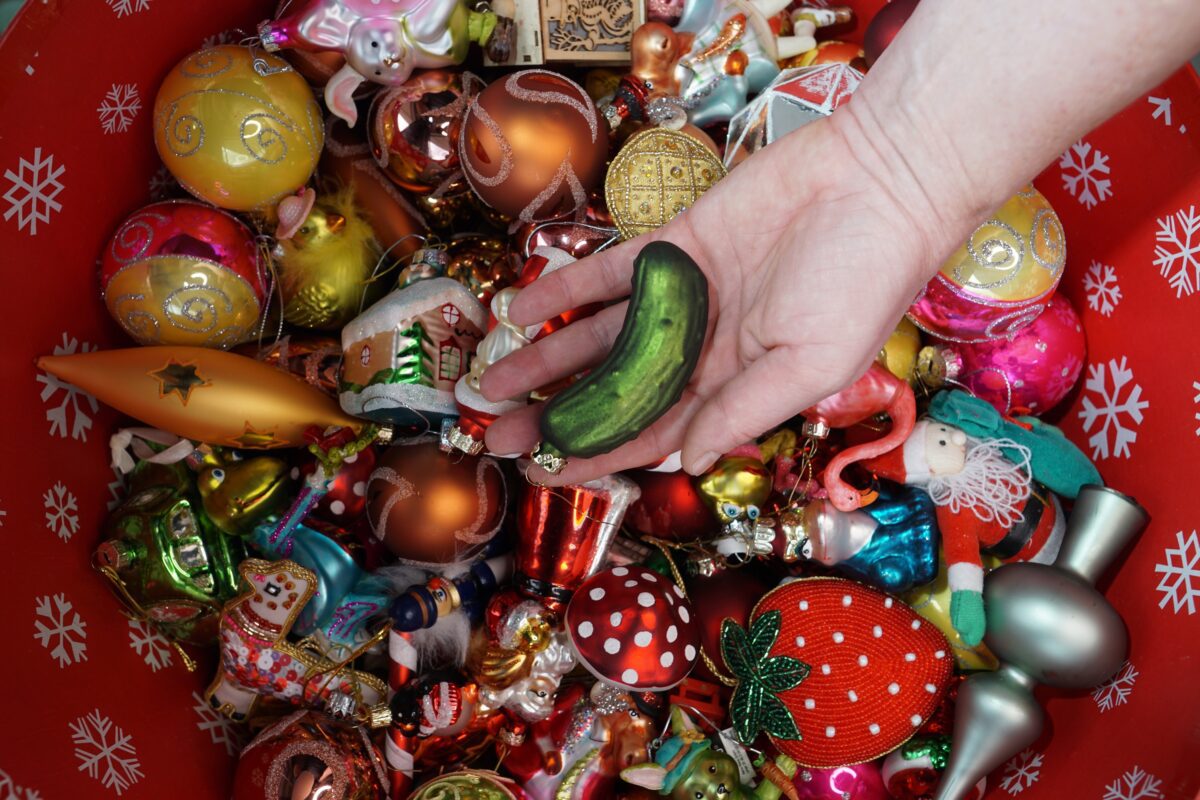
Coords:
pixel 813 250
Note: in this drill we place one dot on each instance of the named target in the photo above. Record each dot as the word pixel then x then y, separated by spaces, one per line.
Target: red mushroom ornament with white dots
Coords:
pixel 633 628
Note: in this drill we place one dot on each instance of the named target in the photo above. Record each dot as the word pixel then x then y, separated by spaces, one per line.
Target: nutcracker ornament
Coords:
pixel 384 44
pixel 688 767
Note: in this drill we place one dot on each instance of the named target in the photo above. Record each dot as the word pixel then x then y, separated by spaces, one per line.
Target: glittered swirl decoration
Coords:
pixel 1001 278
pixel 179 272
pixel 237 129
pixel 533 177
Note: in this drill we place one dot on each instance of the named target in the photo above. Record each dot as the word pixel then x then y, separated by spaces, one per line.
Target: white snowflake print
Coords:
pixel 72 398
pixel 1100 283
pixel 221 729
pixel 230 36
pixel 1085 174
pixel 1136 784
pixel 1116 690
pixel 119 108
pixel 9 790
pixel 162 183
pixel 62 632
pixel 1022 772
pixel 144 637
pixel 1177 255
pixel 116 488
pixel 3 514
pixel 1180 584
pixel 1196 400
pixel 1118 414
pixel 124 8
pixel 105 752
pixel 32 197
pixel 62 511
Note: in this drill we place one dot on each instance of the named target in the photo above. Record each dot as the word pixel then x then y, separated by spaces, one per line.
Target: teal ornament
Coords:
pixel 1055 461
pixel 346 597
pixel 902 553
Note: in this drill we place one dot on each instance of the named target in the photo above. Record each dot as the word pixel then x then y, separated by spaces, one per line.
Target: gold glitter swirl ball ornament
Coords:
pixel 1001 278
pixel 183 273
pixel 241 130
pixel 656 175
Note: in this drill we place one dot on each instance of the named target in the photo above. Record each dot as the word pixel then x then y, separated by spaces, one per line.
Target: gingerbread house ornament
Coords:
pixel 403 355
pixel 795 98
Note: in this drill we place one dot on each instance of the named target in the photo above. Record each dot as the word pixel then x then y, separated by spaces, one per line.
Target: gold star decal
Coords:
pixel 254 439
pixel 179 379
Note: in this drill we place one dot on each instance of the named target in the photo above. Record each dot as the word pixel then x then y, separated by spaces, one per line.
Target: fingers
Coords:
pixel 565 352
pixel 771 390
pixel 518 432
pixel 597 278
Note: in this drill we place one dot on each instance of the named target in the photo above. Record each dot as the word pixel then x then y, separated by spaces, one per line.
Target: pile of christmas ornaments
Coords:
pixel 858 605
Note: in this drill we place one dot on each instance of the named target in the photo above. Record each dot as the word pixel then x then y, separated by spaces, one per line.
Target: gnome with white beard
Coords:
pixel 986 502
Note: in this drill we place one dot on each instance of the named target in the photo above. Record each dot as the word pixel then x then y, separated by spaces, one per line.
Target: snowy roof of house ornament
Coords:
pixel 795 98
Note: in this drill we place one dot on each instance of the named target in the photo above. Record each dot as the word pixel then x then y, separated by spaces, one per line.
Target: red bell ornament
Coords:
pixel 634 629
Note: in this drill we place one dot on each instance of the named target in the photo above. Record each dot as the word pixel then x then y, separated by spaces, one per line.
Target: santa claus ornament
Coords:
pixel 988 491
pixel 834 672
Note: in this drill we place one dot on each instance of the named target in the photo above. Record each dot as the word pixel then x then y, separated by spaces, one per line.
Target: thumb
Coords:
pixel 770 391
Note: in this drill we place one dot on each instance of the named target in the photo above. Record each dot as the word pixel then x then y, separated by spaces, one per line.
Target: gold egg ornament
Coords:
pixel 239 129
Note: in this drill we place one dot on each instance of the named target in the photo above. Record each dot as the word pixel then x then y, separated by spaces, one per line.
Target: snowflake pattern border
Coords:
pixel 1177 254
pixel 1101 287
pixel 1116 690
pixel 1112 410
pixel 220 728
pixel 1180 583
pixel 62 511
pixel 105 752
pixel 33 195
pixel 1022 772
pixel 63 628
pixel 72 398
pixel 143 636
pixel 124 8
pixel 119 108
pixel 1134 784
pixel 1086 178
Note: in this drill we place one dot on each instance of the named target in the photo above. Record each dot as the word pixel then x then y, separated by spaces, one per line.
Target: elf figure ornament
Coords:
pixel 987 483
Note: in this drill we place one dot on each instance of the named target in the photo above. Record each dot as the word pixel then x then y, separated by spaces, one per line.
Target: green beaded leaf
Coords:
pixel 755 705
pixel 764 630
pixel 735 648
pixel 777 721
pixel 780 673
pixel 746 710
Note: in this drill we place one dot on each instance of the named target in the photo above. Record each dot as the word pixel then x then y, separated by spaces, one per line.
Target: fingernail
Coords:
pixel 703 462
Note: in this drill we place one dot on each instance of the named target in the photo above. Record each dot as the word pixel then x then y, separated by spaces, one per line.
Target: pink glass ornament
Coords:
pixel 857 782
pixel 1033 370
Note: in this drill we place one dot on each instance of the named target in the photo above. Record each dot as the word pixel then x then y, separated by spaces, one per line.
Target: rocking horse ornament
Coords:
pixel 256 658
